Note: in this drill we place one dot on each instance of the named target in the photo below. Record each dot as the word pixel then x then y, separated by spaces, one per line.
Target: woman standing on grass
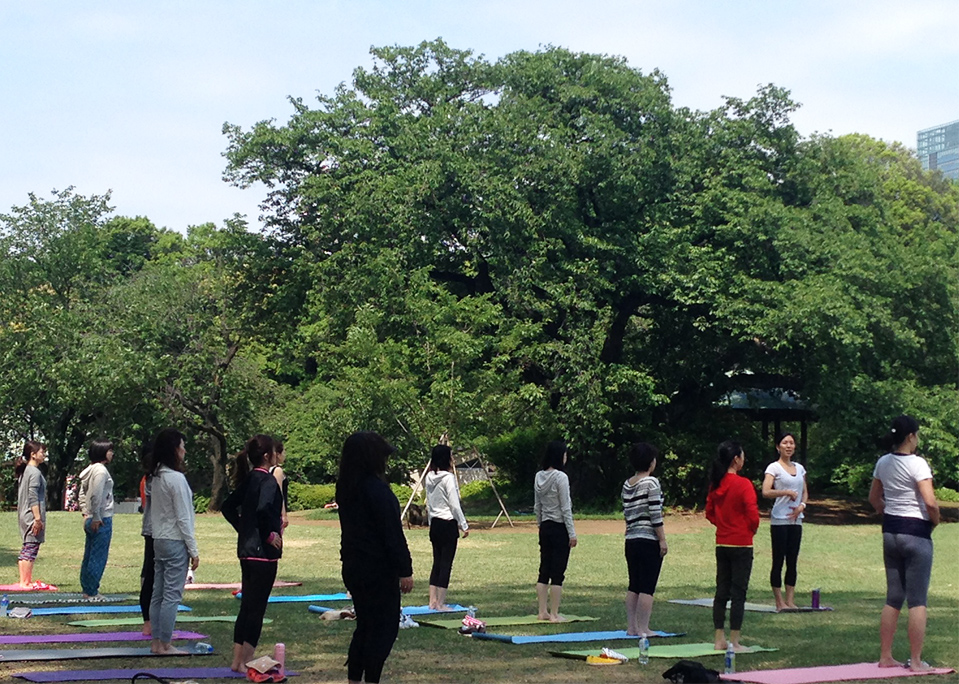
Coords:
pixel 376 560
pixel 31 510
pixel 785 481
pixel 731 506
pixel 902 491
pixel 96 503
pixel 174 538
pixel 148 569
pixel 446 520
pixel 255 509
pixel 281 478
pixel 645 537
pixel 557 535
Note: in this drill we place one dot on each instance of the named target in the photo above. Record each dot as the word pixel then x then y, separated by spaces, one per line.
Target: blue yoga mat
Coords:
pixel 408 610
pixel 568 636
pixel 88 610
pixel 306 598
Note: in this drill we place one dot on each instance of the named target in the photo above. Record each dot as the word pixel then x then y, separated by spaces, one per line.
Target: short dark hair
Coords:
pixel 99 449
pixel 642 455
pixel 553 457
pixel 441 458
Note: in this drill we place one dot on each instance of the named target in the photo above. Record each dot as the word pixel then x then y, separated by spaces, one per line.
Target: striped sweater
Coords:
pixel 643 508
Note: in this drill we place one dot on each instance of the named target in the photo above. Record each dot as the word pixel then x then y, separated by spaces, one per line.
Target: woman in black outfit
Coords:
pixel 255 509
pixel 376 560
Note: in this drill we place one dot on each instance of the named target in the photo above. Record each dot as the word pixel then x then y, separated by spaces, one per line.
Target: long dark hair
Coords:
pixel 441 458
pixel 902 426
pixel 165 445
pixel 257 451
pixel 364 454
pixel 99 450
pixel 29 449
pixel 725 454
pixel 553 457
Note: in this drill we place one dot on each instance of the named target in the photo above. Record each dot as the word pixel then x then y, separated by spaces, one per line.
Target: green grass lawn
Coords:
pixel 495 570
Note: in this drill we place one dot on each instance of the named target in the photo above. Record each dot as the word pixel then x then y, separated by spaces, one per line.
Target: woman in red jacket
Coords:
pixel 731 506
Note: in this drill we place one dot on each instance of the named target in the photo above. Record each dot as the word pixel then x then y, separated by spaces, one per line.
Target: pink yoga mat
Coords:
pixel 236 585
pixel 827 673
pixel 85 637
pixel 17 587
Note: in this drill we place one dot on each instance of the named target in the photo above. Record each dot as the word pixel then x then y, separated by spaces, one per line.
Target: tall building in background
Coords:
pixel 938 148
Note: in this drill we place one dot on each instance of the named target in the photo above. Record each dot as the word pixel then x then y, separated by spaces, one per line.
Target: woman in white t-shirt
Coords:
pixel 785 482
pixel 902 491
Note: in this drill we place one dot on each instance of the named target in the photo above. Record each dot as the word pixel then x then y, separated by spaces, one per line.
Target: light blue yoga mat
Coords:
pixel 91 610
pixel 568 637
pixel 305 598
pixel 407 610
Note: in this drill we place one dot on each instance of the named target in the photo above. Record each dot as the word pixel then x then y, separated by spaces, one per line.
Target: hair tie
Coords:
pixel 892 430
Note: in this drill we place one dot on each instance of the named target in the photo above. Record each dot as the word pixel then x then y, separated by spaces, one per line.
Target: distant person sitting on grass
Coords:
pixel 902 491
pixel 557 535
pixel 732 507
pixel 645 536
pixel 446 520
pixel 31 510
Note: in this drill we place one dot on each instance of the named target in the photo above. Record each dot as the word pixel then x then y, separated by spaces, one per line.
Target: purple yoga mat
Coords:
pixel 85 637
pixel 165 672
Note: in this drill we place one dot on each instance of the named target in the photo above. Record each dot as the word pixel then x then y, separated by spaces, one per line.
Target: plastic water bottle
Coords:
pixel 279 655
pixel 471 611
pixel 643 650
pixel 4 605
pixel 202 647
pixel 729 666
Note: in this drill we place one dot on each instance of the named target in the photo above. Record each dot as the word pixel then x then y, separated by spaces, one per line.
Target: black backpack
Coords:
pixel 690 672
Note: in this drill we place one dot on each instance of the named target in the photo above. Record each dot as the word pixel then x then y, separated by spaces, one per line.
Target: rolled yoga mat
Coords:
pixel 305 598
pixel 39 598
pixel 752 607
pixel 92 610
pixel 666 651
pixel 504 621
pixel 828 673
pixel 236 585
pixel 86 637
pixel 568 637
pixel 127 622
pixel 17 655
pixel 178 673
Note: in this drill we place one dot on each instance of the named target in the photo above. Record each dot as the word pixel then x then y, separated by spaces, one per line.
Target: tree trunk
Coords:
pixel 219 487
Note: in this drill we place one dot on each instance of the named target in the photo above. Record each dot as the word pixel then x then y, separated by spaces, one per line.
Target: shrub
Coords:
pixel 309 496
pixel 477 489
pixel 946 494
pixel 200 503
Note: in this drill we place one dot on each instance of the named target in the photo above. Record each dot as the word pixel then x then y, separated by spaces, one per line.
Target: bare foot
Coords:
pixel 780 607
pixel 720 645
pixel 557 618
pixel 791 606
pixel 739 648
pixel 445 608
pixel 147 629
pixel 543 616
pixel 433 607
pixel 921 666
pixel 891 662
pixel 170 649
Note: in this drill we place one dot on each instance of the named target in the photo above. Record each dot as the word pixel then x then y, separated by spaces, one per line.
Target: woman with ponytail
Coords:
pixel 255 509
pixel 902 491
pixel 446 521
pixel 732 507
pixel 31 510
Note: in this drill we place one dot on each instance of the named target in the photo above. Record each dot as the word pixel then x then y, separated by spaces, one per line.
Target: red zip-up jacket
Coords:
pixel 733 508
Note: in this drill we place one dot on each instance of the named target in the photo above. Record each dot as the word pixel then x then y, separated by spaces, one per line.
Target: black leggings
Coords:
pixel 786 540
pixel 377 605
pixel 257 583
pixel 147 575
pixel 734 564
pixel 443 535
pixel 553 552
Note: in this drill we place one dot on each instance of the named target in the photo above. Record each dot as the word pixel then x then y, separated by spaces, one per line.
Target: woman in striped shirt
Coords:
pixel 645 536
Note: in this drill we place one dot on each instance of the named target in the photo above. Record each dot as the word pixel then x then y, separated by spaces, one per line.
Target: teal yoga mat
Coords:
pixel 120 622
pixel 17 655
pixel 305 598
pixel 752 607
pixel 568 637
pixel 507 621
pixel 49 597
pixel 664 651
pixel 92 610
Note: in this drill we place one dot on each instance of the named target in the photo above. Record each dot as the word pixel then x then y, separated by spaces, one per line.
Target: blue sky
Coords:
pixel 131 96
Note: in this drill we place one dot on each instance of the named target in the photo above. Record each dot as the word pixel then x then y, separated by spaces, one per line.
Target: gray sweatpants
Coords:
pixel 908 561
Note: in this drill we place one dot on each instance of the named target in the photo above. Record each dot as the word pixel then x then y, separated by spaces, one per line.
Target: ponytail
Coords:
pixel 902 426
pixel 29 449
pixel 255 453
pixel 725 454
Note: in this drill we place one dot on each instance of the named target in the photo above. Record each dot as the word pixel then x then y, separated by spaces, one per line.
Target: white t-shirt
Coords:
pixel 900 476
pixel 783 505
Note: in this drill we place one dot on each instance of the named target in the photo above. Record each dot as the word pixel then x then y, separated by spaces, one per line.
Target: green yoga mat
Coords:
pixel 118 622
pixel 666 651
pixel 503 621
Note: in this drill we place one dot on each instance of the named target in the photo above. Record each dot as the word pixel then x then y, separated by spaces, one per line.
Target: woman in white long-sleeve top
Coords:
pixel 174 538
pixel 446 521
pixel 554 516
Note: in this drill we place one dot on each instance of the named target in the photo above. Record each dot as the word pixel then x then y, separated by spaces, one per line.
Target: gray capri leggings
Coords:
pixel 908 561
